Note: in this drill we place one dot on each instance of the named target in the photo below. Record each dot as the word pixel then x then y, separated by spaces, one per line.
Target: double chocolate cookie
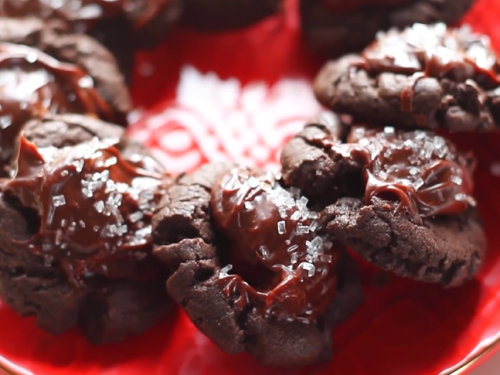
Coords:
pixel 220 15
pixel 120 25
pixel 401 199
pixel 75 230
pixel 334 27
pixel 44 70
pixel 253 267
pixel 426 76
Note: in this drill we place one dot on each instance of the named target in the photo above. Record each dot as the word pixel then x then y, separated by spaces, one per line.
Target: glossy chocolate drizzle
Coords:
pixel 282 263
pixel 33 84
pixel 94 207
pixel 418 169
pixel 84 12
pixel 435 51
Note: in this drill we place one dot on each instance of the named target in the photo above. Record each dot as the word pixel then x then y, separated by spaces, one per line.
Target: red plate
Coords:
pixel 239 96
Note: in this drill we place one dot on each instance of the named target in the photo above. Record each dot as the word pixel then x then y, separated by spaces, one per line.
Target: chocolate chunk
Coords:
pixel 75 240
pixel 335 27
pixel 425 76
pixel 253 294
pixel 219 15
pixel 143 22
pixel 403 200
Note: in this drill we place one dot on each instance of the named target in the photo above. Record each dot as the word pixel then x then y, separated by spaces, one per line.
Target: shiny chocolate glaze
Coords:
pixel 435 51
pixel 281 262
pixel 94 207
pixel 33 84
pixel 420 170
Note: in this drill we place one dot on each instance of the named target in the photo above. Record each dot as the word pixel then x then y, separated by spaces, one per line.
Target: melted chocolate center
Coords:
pixel 84 12
pixel 34 84
pixel 418 169
pixel 94 207
pixel 282 264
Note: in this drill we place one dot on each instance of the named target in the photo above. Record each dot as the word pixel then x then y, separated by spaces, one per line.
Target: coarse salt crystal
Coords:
pixel 282 212
pixel 313 226
pixel 281 227
pixel 99 206
pixel 413 171
pixel 136 216
pixel 313 215
pixel 418 184
pixel 225 270
pixel 302 229
pixel 264 252
pixel 302 202
pixel 253 182
pixel 309 267
pixel 58 200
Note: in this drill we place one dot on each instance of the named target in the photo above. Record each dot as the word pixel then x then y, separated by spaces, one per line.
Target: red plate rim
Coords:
pixel 473 361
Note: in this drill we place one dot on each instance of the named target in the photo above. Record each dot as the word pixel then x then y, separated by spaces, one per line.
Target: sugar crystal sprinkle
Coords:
pixel 281 227
pixel 309 268
pixel 136 216
pixel 313 215
pixel 253 182
pixel 99 206
pixel 302 229
pixel 282 212
pixel 264 252
pixel 58 200
pixel 225 270
pixel 313 226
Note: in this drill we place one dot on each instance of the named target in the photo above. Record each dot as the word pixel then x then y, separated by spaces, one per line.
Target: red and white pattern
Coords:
pixel 214 120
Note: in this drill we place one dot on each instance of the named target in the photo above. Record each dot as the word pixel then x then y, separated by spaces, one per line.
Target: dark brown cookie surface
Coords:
pixel 53 39
pixel 403 200
pixel 75 241
pixel 334 27
pixel 426 76
pixel 69 73
pixel 220 15
pixel 271 298
pixel 143 22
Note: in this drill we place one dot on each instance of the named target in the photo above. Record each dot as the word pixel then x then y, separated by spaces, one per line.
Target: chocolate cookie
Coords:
pixel 67 74
pixel 425 76
pixel 75 235
pixel 335 27
pixel 253 269
pixel 402 200
pixel 121 25
pixel 220 15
